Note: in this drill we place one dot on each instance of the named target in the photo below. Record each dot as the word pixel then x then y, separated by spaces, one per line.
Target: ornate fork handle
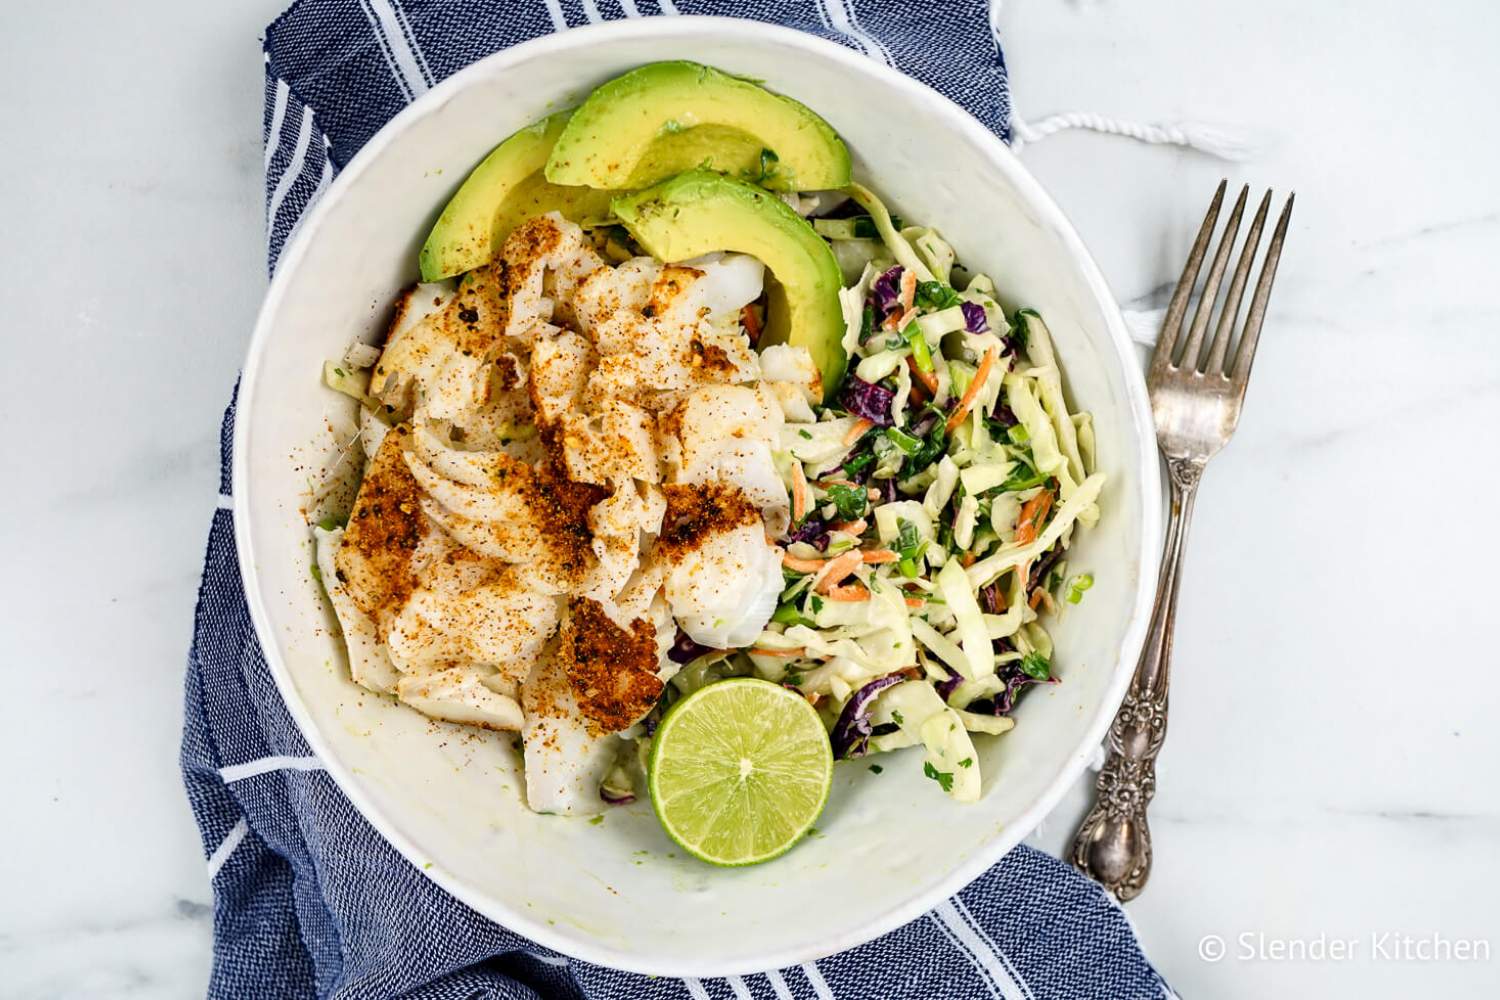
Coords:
pixel 1113 844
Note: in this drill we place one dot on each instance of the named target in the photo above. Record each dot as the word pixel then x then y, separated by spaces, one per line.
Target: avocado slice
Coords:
pixel 507 188
pixel 700 211
pixel 667 117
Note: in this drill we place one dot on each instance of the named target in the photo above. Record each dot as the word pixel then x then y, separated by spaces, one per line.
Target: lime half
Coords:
pixel 740 771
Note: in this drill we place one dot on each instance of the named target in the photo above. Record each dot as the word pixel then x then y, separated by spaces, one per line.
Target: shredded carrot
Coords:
pixel 967 559
pixel 791 562
pixel 799 492
pixel 1036 598
pixel 915 602
pixel 908 288
pixel 786 654
pixel 751 321
pixel 853 592
pixel 836 569
pixel 1030 520
pixel 858 430
pixel 918 394
pixel 972 392
pixel 881 556
pixel 927 380
pixel 906 299
pixel 850 527
pixel 898 321
pixel 873 494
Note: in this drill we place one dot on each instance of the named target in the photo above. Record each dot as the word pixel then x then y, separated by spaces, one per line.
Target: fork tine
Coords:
pixel 1192 350
pixel 1245 354
pixel 1171 326
pixel 1229 315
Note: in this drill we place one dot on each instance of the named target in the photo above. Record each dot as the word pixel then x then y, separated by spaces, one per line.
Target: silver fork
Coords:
pixel 1196 397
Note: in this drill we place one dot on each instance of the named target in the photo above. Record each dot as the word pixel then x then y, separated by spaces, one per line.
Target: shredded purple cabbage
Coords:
pixel 1004 415
pixel 1042 567
pixel 865 399
pixel 885 292
pixel 947 687
pixel 684 649
pixel 813 531
pixel 851 734
pixel 615 800
pixel 974 318
pixel 1015 679
pixel 989 597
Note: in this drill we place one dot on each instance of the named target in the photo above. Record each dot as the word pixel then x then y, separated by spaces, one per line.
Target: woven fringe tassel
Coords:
pixel 1192 135
pixel 1144 326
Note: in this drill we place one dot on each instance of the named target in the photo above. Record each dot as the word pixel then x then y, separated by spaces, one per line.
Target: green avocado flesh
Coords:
pixel 668 117
pixel 701 212
pixel 508 187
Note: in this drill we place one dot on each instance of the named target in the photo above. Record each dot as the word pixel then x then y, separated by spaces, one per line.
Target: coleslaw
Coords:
pixel 933 503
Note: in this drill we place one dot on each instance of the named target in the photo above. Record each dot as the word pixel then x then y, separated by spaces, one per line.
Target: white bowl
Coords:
pixel 889 846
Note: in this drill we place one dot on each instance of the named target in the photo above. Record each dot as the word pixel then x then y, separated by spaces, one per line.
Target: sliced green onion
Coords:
pixel 1078 585
pixel 936 295
pixel 906 442
pixel 921 355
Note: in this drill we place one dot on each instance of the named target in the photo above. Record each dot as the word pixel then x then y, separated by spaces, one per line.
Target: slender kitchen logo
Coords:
pixel 1377 946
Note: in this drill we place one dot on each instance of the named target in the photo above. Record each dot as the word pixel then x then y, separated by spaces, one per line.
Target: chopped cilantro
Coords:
pixel 936 295
pixel 806 434
pixel 896 718
pixel 858 463
pixel 966 762
pixel 943 778
pixel 1019 331
pixel 931 450
pixel 1024 478
pixel 849 501
pixel 817 603
pixel 876 768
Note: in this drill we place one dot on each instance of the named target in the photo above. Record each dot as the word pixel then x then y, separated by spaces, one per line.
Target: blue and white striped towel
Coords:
pixel 308 900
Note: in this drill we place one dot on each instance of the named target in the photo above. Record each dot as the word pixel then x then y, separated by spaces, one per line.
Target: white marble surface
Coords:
pixel 1332 758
